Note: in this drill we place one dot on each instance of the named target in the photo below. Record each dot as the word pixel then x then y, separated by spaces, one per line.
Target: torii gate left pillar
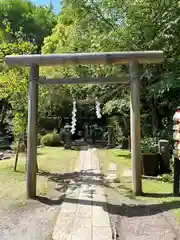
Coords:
pixel 32 131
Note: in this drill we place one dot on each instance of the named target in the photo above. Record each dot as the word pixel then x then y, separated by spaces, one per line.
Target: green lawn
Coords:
pixel 50 161
pixel 156 191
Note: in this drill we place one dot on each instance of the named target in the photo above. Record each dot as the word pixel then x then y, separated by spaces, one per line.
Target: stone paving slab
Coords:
pixel 83 233
pixel 64 227
pixel 111 176
pixel 84 211
pixel 127 173
pixel 83 214
pixel 85 224
pixel 68 207
pixel 102 233
pixel 100 216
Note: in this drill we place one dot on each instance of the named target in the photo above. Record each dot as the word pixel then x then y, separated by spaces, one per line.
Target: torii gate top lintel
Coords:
pixel 85 58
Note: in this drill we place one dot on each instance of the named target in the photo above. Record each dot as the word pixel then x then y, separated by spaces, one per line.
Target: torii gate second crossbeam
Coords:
pixel 131 58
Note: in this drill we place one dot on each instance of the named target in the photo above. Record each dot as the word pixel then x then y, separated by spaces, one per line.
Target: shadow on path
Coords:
pixel 50 202
pixel 131 209
pixel 122 210
pixel 159 195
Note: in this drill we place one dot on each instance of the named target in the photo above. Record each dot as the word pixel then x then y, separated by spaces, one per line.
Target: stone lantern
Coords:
pixel 110 136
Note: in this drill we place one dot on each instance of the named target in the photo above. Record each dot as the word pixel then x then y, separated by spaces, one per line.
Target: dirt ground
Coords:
pixel 33 221
pixel 36 219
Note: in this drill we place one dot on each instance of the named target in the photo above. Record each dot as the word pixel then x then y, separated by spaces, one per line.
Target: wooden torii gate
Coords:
pixel 131 58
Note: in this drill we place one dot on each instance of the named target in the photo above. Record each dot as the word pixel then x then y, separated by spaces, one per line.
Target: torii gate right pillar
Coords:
pixel 135 129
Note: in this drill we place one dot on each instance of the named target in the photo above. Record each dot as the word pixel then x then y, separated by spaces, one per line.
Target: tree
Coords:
pixel 104 25
pixel 87 26
pixel 153 25
pixel 22 19
pixel 13 83
pixel 23 27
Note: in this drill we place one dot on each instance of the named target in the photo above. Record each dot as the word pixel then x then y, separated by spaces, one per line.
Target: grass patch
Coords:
pixel 155 191
pixel 120 157
pixel 50 160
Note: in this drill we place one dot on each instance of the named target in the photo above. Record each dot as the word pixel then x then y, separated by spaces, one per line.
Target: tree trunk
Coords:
pixel 17 154
pixel 156 118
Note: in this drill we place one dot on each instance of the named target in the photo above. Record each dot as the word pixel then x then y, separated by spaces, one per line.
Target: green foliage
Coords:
pixel 23 20
pixel 51 139
pixel 22 31
pixel 147 143
pixel 106 25
pixel 22 147
pixel 19 123
pixel 55 101
pixel 89 26
pixel 118 133
pixel 169 177
pixel 14 85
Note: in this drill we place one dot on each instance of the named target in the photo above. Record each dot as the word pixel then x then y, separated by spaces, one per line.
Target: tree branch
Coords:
pixel 101 15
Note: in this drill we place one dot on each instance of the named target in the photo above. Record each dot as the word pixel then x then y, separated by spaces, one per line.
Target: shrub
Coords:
pixel 120 136
pixel 51 139
pixel 62 135
pixel 147 143
pixel 169 177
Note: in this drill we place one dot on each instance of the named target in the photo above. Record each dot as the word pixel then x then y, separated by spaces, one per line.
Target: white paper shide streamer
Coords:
pixel 98 109
pixel 73 123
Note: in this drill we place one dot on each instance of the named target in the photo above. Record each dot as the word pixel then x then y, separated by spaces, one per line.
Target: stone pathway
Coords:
pixel 84 213
pixel 112 173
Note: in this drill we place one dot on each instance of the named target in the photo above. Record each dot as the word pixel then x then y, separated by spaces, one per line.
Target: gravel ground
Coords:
pixel 132 220
pixel 35 221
